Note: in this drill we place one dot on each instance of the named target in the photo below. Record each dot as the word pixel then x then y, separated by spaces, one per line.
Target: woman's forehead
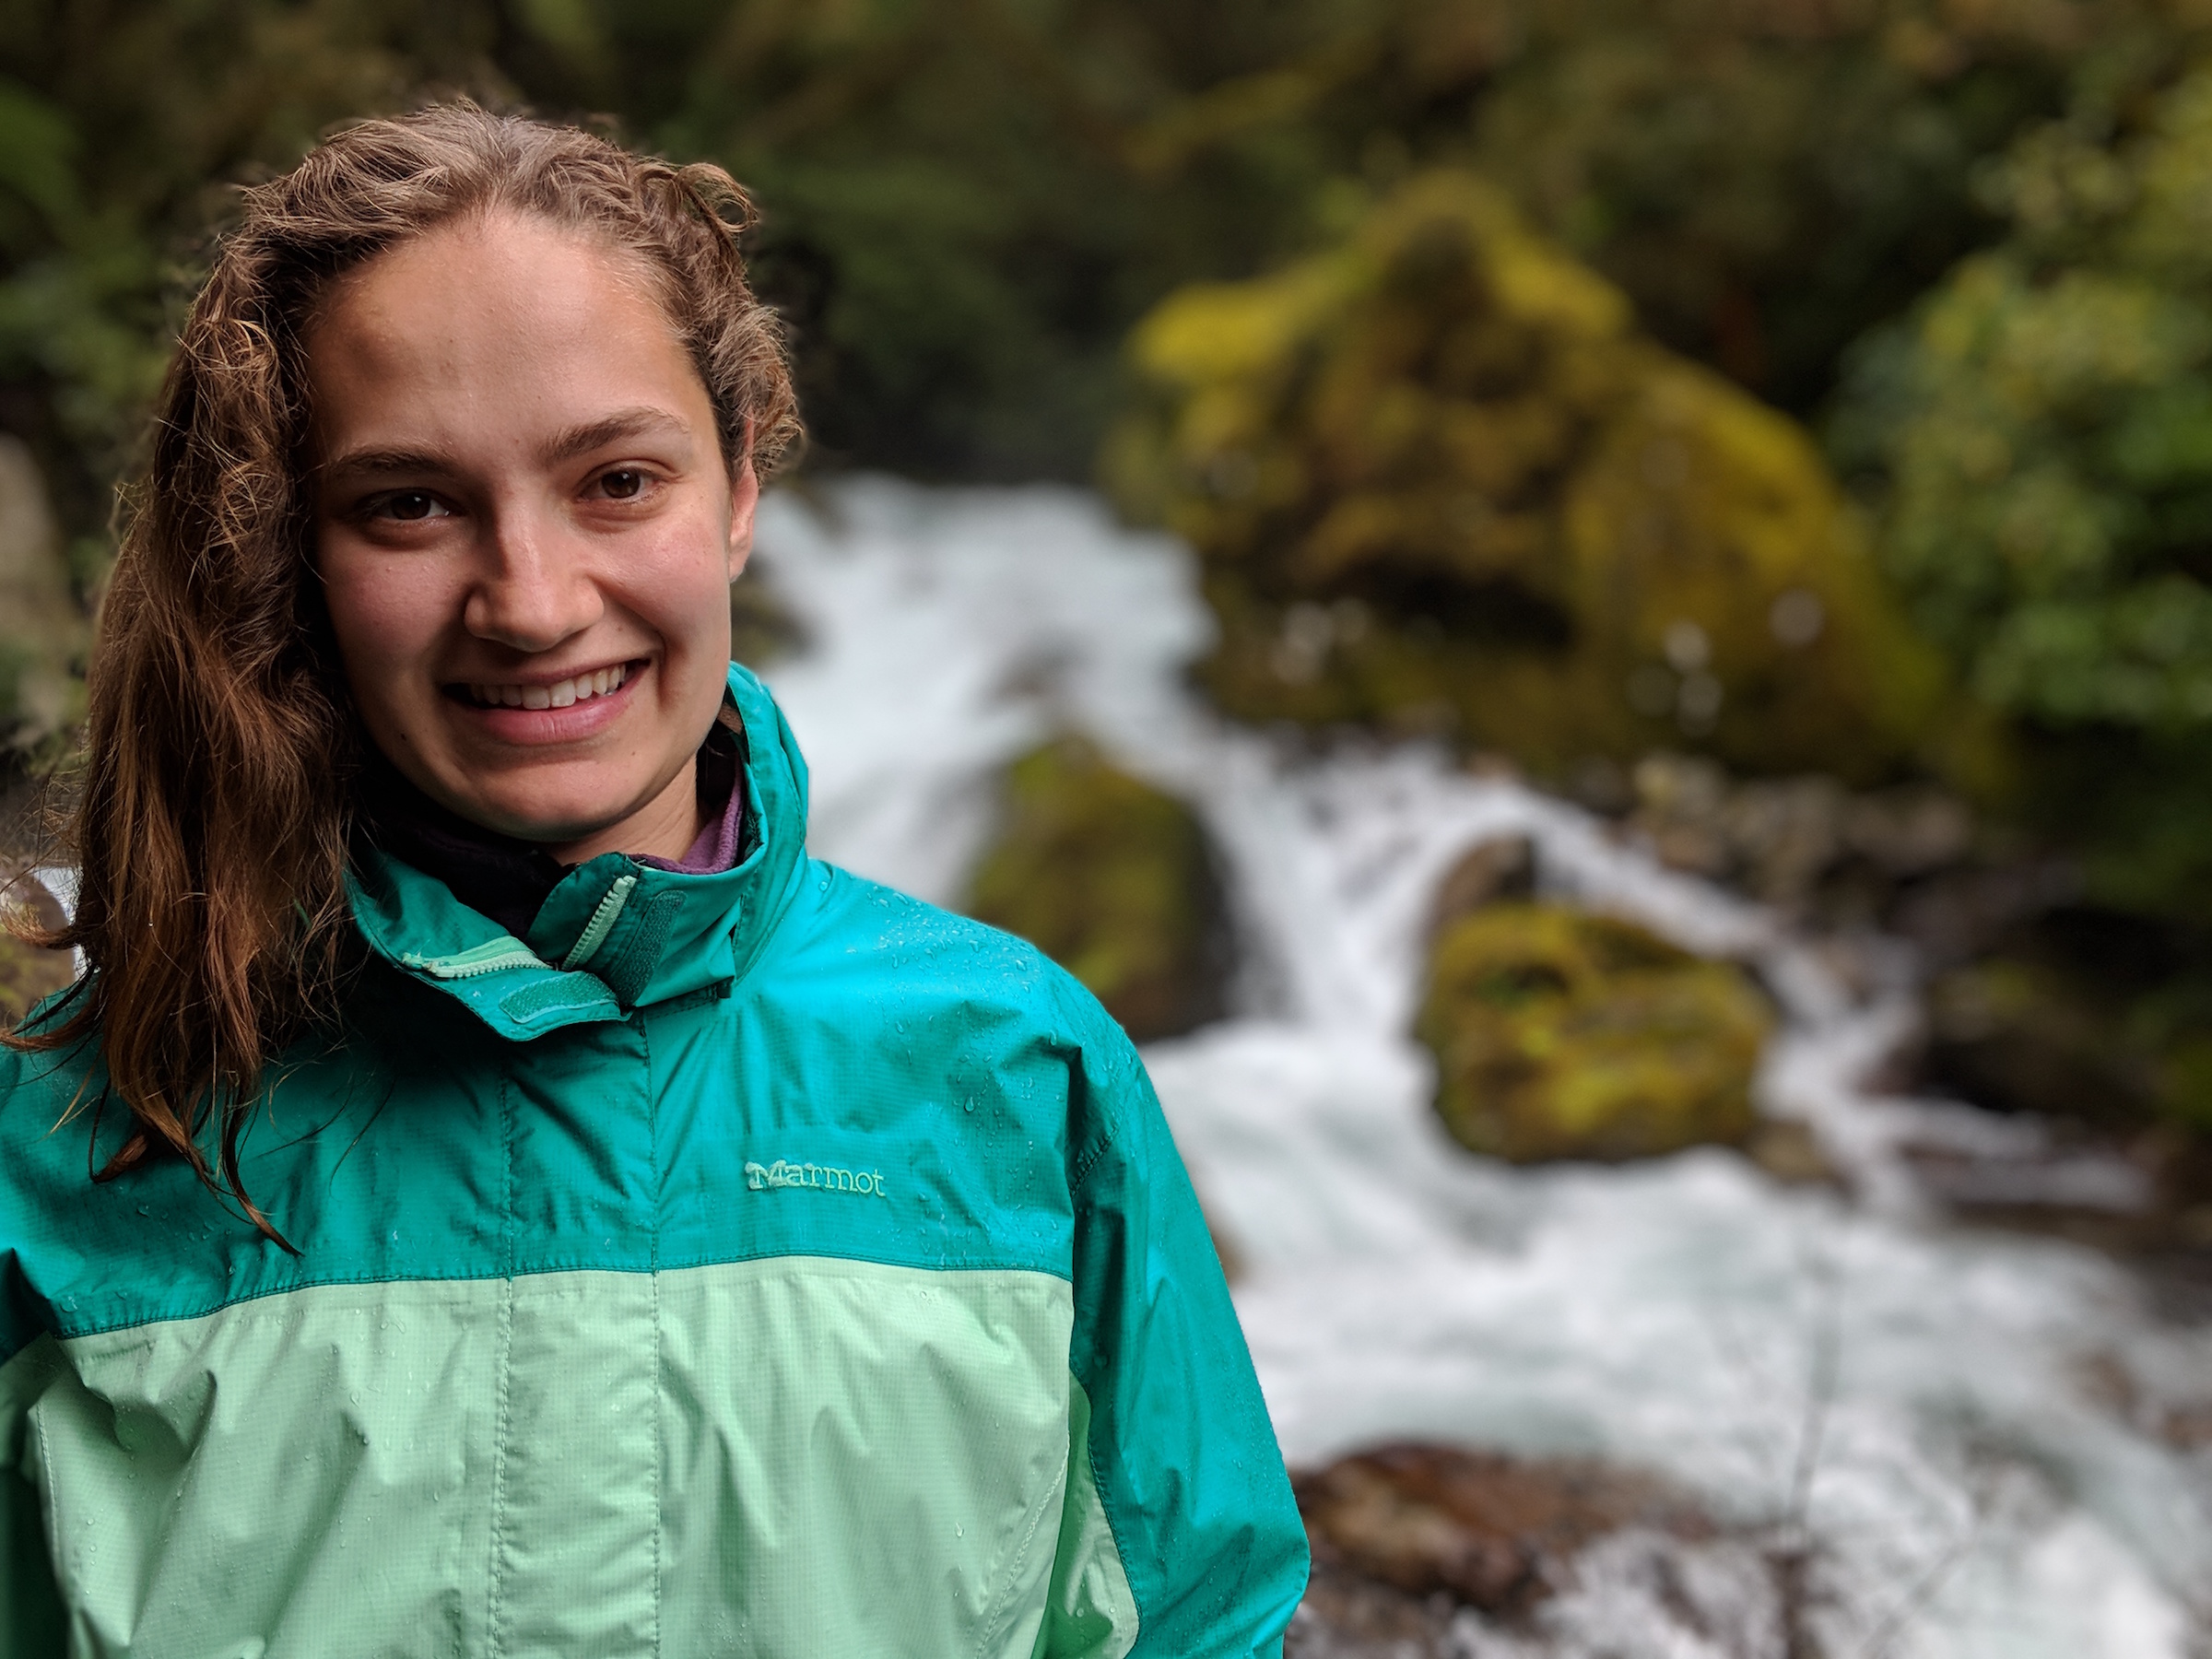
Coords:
pixel 496 326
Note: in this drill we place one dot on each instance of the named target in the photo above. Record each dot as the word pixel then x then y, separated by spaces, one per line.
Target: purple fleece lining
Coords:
pixel 716 848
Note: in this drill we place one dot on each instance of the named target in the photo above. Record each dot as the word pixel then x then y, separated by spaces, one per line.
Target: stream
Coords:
pixel 1961 1424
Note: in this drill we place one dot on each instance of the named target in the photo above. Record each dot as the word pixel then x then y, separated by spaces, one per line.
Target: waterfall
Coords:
pixel 1973 1492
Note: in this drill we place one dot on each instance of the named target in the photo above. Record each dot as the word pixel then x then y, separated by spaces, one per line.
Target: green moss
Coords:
pixel 1113 880
pixel 1559 1035
pixel 1439 479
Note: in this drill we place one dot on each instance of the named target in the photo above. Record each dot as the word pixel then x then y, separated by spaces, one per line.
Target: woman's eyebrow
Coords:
pixel 563 446
pixel 388 461
pixel 623 423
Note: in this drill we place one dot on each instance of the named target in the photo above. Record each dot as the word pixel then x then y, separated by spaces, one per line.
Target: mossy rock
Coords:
pixel 763 628
pixel 1112 880
pixel 1439 481
pixel 1559 1035
pixel 2033 1032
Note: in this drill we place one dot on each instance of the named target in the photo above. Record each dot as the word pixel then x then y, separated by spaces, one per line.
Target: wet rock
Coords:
pixel 1791 1153
pixel 2175 1407
pixel 1803 844
pixel 2013 1034
pixel 1429 1552
pixel 1486 873
pixel 1441 483
pixel 1113 879
pixel 1488 1531
pixel 1559 1035
pixel 27 973
pixel 1957 915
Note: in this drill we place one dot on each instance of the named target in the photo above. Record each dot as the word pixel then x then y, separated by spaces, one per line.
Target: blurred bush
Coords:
pixel 1559 1035
pixel 2040 434
pixel 1437 478
pixel 967 202
pixel 2039 437
pixel 1113 880
pixel 42 628
pixel 1768 178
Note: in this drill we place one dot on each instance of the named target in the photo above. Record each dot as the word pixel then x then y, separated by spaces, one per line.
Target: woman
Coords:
pixel 532 1208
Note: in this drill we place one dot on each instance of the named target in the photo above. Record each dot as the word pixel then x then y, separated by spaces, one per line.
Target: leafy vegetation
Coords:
pixel 2038 437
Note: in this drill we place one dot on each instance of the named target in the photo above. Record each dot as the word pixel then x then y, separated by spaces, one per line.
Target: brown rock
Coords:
pixel 1494 1532
pixel 1492 870
pixel 27 973
pixel 1791 1153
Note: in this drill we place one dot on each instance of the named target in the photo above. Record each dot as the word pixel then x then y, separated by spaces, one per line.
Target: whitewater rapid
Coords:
pixel 1925 1401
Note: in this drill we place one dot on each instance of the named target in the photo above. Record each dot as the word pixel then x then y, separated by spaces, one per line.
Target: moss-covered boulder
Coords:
pixel 1439 479
pixel 1559 1035
pixel 1112 880
pixel 2013 1033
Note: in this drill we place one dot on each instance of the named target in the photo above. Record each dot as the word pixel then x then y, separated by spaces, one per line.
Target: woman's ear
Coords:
pixel 745 495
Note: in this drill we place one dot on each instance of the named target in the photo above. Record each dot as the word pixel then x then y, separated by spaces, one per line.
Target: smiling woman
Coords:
pixel 526 531
pixel 460 985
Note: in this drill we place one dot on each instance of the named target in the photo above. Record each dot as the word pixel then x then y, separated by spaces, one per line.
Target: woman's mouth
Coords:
pixel 562 694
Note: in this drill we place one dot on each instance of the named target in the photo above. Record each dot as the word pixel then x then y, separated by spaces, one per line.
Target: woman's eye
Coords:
pixel 409 505
pixel 623 484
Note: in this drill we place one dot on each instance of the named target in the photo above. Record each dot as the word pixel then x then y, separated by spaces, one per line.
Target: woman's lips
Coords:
pixel 561 712
pixel 581 687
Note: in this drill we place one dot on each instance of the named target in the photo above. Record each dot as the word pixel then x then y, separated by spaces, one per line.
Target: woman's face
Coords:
pixel 526 532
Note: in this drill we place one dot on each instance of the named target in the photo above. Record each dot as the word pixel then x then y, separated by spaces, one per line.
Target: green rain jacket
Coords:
pixel 751 1264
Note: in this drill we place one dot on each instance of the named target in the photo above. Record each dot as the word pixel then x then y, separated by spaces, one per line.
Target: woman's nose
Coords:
pixel 533 588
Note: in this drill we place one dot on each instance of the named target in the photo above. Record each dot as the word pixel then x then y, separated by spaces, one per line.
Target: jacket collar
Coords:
pixel 614 935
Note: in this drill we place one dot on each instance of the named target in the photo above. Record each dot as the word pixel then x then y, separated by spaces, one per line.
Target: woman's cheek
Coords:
pixel 385 614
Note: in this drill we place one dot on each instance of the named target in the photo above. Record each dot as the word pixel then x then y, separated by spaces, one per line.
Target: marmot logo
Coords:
pixel 827 1178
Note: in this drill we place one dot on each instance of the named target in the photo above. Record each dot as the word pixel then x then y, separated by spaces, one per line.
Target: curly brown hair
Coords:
pixel 216 804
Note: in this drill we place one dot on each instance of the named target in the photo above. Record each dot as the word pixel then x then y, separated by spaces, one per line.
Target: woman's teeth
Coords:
pixel 561 696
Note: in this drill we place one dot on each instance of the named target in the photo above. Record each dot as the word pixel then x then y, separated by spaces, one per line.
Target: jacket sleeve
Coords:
pixel 1179 1537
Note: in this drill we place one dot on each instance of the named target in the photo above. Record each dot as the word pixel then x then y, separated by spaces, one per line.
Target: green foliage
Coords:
pixel 1767 179
pixel 121 127
pixel 967 202
pixel 1559 1035
pixel 2041 432
pixel 1113 880
pixel 42 630
pixel 1437 476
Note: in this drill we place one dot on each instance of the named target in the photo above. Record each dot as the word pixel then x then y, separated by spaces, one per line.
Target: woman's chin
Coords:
pixel 549 816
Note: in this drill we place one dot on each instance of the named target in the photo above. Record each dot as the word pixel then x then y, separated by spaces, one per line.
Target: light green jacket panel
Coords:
pixel 512 1467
